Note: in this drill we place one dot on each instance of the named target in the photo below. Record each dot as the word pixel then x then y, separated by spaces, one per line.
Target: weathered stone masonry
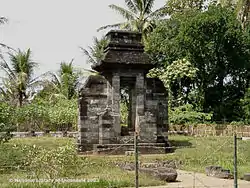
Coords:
pixel 125 65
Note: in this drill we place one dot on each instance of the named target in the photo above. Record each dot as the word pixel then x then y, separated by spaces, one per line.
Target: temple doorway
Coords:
pixel 127 105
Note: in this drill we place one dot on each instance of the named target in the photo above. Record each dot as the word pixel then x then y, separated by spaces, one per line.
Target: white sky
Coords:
pixel 54 29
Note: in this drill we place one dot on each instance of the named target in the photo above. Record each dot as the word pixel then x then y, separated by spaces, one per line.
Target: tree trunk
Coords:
pixel 20 99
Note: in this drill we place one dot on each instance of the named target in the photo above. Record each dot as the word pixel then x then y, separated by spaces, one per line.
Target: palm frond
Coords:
pixel 139 16
pixel 110 26
pixel 2 91
pixel 130 4
pixel 161 12
pixel 6 68
pixel 87 72
pixel 90 58
pixel 92 51
pixel 126 26
pixel 55 79
pixel 95 53
pixel 148 5
pixel 54 82
pixel 128 15
pixel 42 77
pixel 96 41
pixel 36 84
pixel 140 5
pixel 7 47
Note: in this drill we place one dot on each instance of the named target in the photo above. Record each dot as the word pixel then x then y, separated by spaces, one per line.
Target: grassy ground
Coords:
pixel 101 168
pixel 201 152
pixel 206 151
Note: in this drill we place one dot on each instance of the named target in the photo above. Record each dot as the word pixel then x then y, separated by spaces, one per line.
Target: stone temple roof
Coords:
pixel 124 50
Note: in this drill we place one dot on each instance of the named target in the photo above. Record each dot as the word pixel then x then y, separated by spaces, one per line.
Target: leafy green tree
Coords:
pixel 32 116
pixel 181 6
pixel 186 114
pixel 19 82
pixel 245 102
pixel 63 114
pixel 139 16
pixel 178 78
pixel 42 114
pixel 215 43
pixel 242 10
pixel 95 53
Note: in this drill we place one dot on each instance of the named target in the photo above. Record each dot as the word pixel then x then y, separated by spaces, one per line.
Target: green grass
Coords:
pixel 45 142
pixel 99 167
pixel 206 151
pixel 203 152
pixel 100 184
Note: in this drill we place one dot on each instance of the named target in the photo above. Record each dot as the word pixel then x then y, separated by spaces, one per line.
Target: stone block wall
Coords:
pixel 99 111
pixel 155 125
pixel 92 103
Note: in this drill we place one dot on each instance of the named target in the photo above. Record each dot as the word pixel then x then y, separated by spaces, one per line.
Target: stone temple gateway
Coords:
pixel 125 66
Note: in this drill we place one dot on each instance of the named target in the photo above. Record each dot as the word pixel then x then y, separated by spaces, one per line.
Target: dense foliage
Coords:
pixel 44 115
pixel 6 126
pixel 184 115
pixel 217 48
pixel 52 107
pixel 201 50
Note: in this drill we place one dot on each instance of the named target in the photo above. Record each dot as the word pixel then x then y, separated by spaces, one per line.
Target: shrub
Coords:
pixel 56 163
pixel 44 115
pixel 185 114
pixel 6 126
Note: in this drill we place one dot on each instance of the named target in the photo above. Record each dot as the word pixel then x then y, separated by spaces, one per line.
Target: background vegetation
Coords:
pixel 201 51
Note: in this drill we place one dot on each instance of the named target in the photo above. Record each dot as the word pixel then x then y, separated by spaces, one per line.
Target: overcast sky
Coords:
pixel 54 29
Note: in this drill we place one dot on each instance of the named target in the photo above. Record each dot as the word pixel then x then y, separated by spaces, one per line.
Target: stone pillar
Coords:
pixel 162 121
pixel 109 91
pixel 116 103
pixel 139 100
pixel 106 131
pixel 130 124
pixel 83 125
pixel 132 109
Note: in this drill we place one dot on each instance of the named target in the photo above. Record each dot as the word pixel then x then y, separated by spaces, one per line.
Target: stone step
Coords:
pixel 120 149
pixel 127 139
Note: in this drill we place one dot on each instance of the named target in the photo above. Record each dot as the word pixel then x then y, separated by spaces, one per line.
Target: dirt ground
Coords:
pixel 198 180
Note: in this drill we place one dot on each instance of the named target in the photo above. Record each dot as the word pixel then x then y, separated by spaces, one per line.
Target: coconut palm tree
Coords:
pixel 66 81
pixel 95 53
pixel 139 16
pixel 19 82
